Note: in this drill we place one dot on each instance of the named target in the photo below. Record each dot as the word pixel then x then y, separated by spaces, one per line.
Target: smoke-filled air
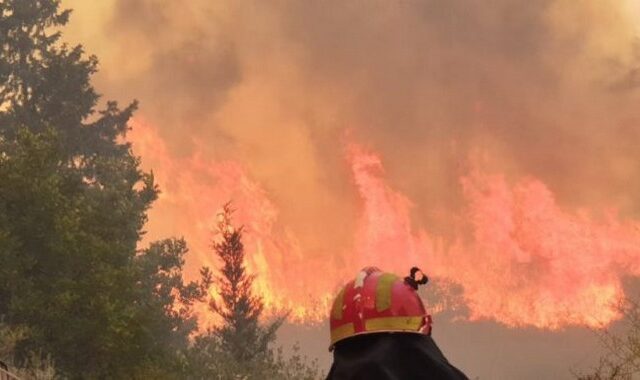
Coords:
pixel 492 144
pixel 495 145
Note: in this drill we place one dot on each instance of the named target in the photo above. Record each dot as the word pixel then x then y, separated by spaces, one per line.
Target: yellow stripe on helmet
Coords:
pixel 394 324
pixel 342 332
pixel 383 291
pixel 338 305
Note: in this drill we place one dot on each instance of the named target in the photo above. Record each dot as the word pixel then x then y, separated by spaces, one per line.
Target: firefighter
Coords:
pixel 380 330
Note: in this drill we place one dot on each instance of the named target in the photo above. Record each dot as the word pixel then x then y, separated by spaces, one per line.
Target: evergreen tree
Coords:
pixel 240 333
pixel 241 347
pixel 73 203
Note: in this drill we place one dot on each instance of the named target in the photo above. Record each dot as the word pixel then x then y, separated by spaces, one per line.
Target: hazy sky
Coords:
pixel 259 101
pixel 547 88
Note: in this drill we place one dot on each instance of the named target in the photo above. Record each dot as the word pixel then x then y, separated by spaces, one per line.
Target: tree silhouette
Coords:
pixel 240 347
pixel 240 333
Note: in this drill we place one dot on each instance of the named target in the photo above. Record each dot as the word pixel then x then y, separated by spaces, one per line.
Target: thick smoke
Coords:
pixel 547 87
pixel 544 89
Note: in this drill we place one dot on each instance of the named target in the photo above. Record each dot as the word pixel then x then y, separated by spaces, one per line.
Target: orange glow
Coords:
pixel 532 263
pixel 384 236
pixel 193 190
pixel 524 261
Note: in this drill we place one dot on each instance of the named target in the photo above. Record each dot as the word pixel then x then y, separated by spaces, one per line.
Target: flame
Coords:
pixel 526 262
pixel 384 235
pixel 193 190
pixel 532 263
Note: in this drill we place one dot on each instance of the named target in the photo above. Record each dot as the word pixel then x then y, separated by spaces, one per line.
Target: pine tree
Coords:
pixel 240 334
pixel 240 347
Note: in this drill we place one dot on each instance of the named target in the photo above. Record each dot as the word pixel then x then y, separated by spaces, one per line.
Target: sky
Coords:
pixel 494 143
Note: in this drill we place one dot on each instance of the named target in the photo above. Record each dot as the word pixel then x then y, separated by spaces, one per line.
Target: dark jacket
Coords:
pixel 391 356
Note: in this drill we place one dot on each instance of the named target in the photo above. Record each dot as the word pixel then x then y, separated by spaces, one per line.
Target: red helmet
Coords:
pixel 377 302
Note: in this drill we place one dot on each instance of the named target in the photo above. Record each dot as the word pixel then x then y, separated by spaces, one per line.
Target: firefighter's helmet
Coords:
pixel 376 302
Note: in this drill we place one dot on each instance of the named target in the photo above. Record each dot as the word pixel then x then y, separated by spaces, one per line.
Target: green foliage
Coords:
pixel 9 337
pixel 74 289
pixel 96 309
pixel 240 347
pixel 240 333
pixel 73 203
pixel 163 301
pixel 295 366
pixel 208 360
pixel 35 367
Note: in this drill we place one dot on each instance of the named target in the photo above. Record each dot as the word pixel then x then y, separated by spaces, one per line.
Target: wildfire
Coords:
pixel 527 261
pixel 193 189
pixel 531 263
pixel 384 234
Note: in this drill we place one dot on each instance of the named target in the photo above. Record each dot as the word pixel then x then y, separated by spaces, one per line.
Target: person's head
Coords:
pixel 376 302
pixel 380 330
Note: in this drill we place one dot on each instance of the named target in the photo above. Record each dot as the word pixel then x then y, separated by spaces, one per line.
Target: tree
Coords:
pixel 240 347
pixel 92 315
pixel 73 203
pixel 621 360
pixel 164 301
pixel 240 333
